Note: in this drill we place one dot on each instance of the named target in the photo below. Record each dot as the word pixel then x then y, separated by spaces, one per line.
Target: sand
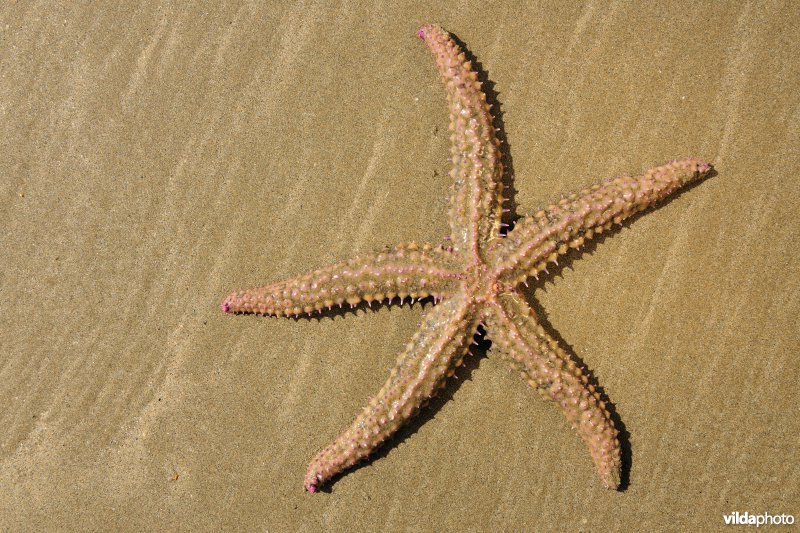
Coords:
pixel 153 159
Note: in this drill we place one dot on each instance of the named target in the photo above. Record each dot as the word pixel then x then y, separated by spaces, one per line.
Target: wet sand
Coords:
pixel 154 159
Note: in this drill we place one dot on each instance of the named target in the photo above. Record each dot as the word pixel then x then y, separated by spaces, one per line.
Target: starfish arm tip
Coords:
pixel 612 482
pixel 697 167
pixel 229 304
pixel 426 29
pixel 314 477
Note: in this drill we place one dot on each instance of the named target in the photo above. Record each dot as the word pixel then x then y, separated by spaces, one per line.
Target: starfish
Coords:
pixel 474 282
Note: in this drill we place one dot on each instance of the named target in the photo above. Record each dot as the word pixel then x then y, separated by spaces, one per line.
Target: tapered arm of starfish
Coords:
pixel 476 196
pixel 434 352
pixel 512 327
pixel 406 271
pixel 540 239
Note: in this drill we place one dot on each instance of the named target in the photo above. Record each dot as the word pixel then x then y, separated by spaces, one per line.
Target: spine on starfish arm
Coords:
pixel 476 202
pixel 541 238
pixel 405 271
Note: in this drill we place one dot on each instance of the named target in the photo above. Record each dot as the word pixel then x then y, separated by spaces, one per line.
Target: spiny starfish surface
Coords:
pixel 474 282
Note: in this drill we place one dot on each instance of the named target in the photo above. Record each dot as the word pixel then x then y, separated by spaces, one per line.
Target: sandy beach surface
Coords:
pixel 155 157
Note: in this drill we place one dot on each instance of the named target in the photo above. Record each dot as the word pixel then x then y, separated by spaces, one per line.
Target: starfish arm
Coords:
pixel 476 199
pixel 540 239
pixel 512 327
pixel 404 271
pixel 431 356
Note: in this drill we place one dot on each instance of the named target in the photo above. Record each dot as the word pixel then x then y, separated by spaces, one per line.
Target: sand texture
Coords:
pixel 154 158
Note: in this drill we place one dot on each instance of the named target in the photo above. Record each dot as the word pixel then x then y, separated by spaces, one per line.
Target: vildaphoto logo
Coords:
pixel 764 519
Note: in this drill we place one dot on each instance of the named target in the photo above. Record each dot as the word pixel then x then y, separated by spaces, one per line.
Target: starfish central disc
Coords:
pixel 480 285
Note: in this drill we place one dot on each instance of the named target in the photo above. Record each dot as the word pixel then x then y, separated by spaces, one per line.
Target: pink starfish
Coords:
pixel 474 282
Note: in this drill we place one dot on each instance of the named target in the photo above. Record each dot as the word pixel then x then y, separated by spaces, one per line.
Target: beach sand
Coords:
pixel 153 159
